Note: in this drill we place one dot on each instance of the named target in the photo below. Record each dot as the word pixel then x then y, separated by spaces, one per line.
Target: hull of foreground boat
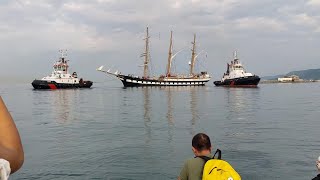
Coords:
pixel 129 81
pixel 251 81
pixel 40 84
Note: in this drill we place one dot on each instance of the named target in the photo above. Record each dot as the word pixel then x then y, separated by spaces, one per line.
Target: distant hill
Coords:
pixel 309 74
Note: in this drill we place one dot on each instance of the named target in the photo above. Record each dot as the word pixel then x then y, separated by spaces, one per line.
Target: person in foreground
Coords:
pixel 193 168
pixel 318 167
pixel 11 149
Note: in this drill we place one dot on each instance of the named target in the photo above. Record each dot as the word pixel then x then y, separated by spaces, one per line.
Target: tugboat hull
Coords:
pixel 251 81
pixel 40 84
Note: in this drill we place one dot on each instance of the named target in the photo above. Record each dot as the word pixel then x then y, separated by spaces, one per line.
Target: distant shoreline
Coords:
pixel 286 82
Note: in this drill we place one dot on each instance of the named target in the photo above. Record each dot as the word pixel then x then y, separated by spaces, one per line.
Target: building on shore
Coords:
pixel 292 78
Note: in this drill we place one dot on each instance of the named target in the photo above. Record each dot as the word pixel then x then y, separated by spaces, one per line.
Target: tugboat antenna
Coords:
pixel 63 52
pixel 235 56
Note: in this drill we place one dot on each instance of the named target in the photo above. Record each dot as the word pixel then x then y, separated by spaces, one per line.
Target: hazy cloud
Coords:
pixel 272 36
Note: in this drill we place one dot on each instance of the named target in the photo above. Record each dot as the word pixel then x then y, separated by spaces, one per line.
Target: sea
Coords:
pixel 110 132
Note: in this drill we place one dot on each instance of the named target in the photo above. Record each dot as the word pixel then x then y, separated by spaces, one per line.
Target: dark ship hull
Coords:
pixel 130 81
pixel 40 84
pixel 251 81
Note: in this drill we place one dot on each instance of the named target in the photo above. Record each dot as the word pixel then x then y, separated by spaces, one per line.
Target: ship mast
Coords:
pixel 146 56
pixel 193 57
pixel 169 57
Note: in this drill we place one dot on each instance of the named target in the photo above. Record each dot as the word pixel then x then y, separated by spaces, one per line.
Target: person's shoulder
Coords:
pixel 194 160
pixel 189 160
pixel 317 177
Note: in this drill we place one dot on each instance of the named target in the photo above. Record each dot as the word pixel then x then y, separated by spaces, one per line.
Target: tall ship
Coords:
pixel 237 76
pixel 60 77
pixel 168 79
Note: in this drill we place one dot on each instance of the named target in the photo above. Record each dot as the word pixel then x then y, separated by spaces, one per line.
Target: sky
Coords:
pixel 271 36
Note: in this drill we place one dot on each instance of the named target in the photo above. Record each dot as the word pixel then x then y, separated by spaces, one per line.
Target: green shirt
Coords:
pixel 192 169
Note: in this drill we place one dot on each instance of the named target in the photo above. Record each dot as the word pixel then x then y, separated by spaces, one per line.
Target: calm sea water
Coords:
pixel 109 132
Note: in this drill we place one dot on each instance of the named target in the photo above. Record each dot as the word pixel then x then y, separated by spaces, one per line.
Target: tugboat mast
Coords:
pixel 193 57
pixel 63 53
pixel 62 65
pixel 235 55
pixel 169 57
pixel 146 57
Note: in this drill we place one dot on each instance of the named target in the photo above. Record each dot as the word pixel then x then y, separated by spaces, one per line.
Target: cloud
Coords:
pixel 313 3
pixel 304 19
pixel 261 24
pixel 112 27
pixel 58 29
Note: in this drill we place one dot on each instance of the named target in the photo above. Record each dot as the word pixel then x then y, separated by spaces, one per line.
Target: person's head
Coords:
pixel 201 144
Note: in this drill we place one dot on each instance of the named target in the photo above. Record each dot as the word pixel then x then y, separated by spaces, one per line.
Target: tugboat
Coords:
pixel 236 76
pixel 60 78
pixel 168 79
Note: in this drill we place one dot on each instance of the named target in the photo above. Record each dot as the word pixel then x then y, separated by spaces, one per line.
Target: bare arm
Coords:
pixel 10 143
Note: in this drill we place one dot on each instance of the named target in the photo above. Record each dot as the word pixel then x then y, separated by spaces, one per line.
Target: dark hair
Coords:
pixel 201 142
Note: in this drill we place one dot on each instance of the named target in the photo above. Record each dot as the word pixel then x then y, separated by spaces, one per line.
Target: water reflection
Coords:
pixel 63 102
pixel 240 100
pixel 193 108
pixel 58 105
pixel 170 107
pixel 146 114
pixel 241 113
pixel 172 101
pixel 235 99
pixel 179 103
pixel 170 111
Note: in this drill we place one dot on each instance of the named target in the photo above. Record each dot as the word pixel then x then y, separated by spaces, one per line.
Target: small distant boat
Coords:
pixel 169 79
pixel 60 78
pixel 237 76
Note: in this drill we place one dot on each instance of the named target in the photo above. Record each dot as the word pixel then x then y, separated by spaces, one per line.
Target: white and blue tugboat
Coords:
pixel 60 77
pixel 236 76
